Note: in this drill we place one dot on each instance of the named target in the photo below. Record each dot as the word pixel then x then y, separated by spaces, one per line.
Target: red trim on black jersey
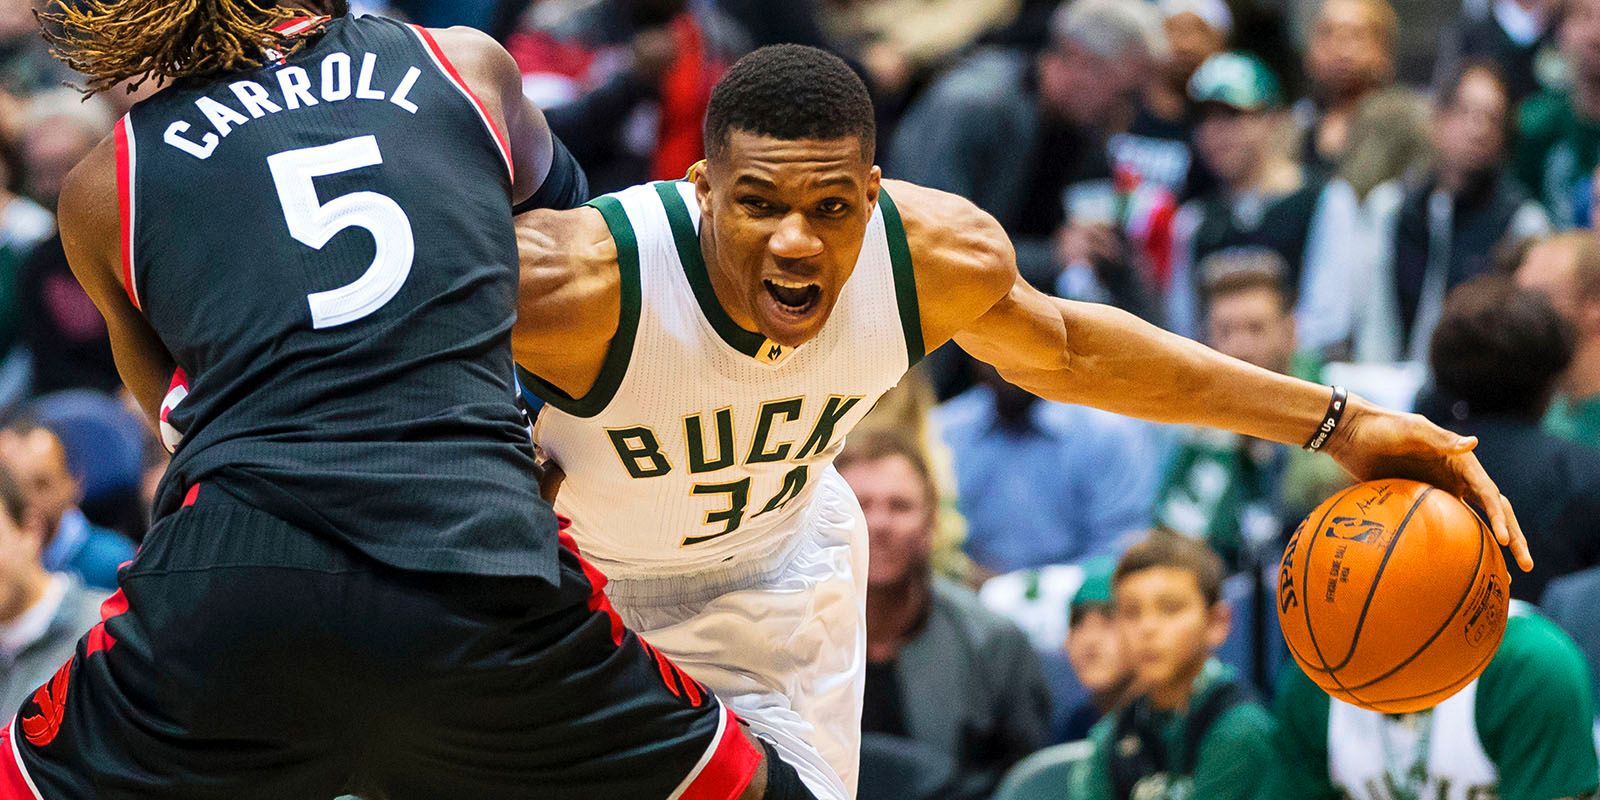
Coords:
pixel 14 781
pixel 51 701
pixel 114 606
pixel 450 72
pixel 299 25
pixel 728 771
pixel 125 163
pixel 598 602
pixel 676 680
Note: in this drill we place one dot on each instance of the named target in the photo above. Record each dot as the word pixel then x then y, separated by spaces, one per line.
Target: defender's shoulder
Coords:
pixel 467 43
pixel 952 239
pixel 90 188
pixel 478 56
pixel 88 216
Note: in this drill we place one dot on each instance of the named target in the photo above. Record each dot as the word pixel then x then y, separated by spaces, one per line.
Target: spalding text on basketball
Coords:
pixel 1286 595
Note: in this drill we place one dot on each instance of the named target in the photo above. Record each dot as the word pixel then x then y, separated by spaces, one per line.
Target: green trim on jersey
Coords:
pixel 621 350
pixel 905 279
pixel 694 266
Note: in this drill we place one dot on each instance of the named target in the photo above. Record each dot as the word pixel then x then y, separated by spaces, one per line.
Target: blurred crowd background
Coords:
pixel 1397 197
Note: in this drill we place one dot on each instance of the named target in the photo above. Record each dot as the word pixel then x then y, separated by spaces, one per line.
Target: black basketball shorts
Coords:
pixel 245 658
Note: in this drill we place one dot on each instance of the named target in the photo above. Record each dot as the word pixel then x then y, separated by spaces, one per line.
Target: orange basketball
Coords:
pixel 1393 595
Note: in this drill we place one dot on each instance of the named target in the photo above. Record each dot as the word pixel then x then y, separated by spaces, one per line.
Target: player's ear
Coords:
pixel 874 185
pixel 702 185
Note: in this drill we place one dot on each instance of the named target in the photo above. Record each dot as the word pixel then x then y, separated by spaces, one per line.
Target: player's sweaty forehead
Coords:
pixel 766 163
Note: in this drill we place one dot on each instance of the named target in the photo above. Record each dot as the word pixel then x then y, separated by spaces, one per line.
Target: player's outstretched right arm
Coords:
pixel 969 290
pixel 91 232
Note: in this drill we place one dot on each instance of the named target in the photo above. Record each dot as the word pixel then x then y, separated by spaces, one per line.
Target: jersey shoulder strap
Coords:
pixel 905 278
pixel 536 390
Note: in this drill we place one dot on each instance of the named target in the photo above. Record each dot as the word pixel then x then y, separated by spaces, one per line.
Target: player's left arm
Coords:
pixel 545 175
pixel 1091 354
pixel 91 234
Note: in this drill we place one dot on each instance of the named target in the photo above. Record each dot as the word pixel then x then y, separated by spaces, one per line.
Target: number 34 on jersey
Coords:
pixel 709 446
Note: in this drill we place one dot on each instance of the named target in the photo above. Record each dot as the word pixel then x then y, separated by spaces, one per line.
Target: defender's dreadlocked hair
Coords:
pixel 111 41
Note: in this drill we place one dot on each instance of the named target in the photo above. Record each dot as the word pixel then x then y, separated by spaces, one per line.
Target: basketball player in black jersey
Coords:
pixel 352 584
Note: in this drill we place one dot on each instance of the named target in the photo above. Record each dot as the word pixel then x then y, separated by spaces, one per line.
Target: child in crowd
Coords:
pixel 1095 652
pixel 1192 730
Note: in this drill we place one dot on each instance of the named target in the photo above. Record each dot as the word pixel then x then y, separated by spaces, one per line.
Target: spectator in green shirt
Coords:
pixel 1559 142
pixel 1521 731
pixel 1192 732
pixel 1566 270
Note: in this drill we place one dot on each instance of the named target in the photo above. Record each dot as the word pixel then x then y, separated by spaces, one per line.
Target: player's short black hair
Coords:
pixel 790 91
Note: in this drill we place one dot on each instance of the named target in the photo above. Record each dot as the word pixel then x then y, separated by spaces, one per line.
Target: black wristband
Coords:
pixel 566 186
pixel 1330 419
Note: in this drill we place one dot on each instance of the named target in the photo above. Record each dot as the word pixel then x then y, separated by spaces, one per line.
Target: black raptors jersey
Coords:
pixel 325 246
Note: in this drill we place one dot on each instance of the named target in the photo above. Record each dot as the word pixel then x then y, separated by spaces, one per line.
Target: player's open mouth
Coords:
pixel 795 299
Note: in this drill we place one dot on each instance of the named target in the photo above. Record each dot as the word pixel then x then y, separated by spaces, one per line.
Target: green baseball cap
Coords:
pixel 1237 80
pixel 1096 587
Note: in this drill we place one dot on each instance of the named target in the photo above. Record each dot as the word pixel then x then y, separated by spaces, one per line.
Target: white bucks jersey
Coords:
pixel 701 443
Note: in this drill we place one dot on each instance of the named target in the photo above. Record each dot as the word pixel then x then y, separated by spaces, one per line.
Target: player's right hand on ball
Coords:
pixel 1375 443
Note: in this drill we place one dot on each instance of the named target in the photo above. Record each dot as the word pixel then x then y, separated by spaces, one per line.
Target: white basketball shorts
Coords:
pixel 782 643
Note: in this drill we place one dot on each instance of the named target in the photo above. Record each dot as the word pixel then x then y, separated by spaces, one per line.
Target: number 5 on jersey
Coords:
pixel 314 223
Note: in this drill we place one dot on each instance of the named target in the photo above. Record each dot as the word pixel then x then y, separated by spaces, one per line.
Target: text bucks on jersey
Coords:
pixel 701 443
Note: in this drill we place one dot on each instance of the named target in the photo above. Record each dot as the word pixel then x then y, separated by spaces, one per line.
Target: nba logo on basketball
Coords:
pixel 1353 529
pixel 1396 566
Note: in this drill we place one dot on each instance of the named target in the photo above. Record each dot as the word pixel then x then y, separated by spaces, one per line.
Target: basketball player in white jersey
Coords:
pixel 703 347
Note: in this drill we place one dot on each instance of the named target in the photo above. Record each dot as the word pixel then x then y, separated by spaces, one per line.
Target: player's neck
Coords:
pixel 722 284
pixel 895 612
